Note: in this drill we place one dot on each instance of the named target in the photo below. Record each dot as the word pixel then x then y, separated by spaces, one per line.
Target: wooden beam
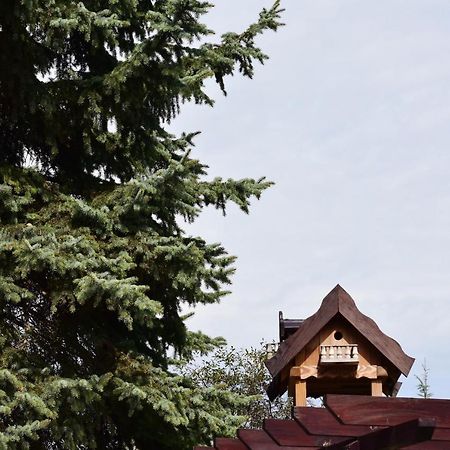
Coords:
pixel 398 436
pixel 304 372
pixel 320 421
pixel 300 393
pixel 367 372
pixel 289 433
pixel 229 444
pixel 383 411
pixel 377 388
pixel 257 439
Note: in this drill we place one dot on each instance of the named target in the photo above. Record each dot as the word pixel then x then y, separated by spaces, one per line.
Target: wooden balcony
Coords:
pixel 341 354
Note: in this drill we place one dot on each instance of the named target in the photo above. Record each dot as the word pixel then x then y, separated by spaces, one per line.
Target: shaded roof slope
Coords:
pixel 338 301
pixel 353 422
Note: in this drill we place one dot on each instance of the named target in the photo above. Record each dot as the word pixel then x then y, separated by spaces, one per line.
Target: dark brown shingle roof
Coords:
pixel 353 422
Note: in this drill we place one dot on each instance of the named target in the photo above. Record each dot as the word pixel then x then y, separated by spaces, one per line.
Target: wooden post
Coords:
pixel 300 393
pixel 377 388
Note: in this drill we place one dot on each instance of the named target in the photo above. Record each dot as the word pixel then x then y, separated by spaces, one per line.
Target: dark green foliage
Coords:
pixel 242 371
pixel 94 263
pixel 127 63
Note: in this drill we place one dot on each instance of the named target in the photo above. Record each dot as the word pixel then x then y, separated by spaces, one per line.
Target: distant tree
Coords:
pixel 423 383
pixel 242 372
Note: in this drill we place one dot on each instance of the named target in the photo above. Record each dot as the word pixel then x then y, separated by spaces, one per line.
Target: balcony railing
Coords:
pixel 339 354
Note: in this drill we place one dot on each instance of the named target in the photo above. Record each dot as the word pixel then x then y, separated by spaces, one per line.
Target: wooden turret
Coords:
pixel 338 350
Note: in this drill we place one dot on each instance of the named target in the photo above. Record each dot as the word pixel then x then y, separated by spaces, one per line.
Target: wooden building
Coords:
pixel 341 355
pixel 337 350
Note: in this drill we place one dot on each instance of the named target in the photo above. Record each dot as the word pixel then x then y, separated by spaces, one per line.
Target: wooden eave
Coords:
pixel 338 301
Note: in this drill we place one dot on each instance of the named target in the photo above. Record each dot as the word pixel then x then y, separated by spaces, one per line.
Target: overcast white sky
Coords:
pixel 351 118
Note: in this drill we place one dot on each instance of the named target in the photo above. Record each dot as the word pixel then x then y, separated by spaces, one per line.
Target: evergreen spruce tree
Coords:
pixel 94 191
pixel 423 382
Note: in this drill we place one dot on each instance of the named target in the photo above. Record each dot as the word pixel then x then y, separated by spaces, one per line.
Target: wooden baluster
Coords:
pixel 323 352
pixel 347 352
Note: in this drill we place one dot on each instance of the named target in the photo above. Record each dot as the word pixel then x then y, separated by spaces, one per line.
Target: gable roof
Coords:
pixel 338 301
pixel 352 421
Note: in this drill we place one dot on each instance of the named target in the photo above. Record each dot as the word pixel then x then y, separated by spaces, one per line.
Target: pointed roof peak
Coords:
pixel 338 298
